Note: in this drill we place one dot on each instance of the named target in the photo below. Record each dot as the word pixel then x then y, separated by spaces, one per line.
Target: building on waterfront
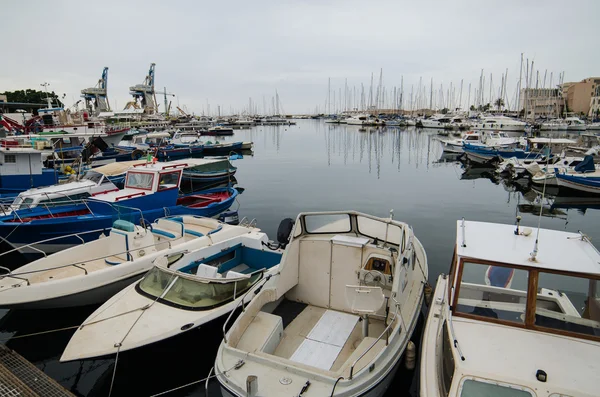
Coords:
pixel 582 97
pixel 542 102
pixel 3 98
pixel 594 112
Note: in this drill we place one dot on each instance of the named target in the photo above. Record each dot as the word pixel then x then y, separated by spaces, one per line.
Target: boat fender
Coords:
pixel 284 230
pixel 411 354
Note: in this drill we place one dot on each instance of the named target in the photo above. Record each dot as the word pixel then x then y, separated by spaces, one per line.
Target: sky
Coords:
pixel 222 53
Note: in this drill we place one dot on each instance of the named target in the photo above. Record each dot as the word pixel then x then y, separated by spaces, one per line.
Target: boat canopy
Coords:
pixel 587 165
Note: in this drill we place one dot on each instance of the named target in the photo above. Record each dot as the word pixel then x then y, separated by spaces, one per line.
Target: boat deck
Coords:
pixel 345 333
pixel 19 377
pixel 71 271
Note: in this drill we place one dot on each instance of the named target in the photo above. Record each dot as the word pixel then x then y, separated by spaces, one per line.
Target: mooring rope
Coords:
pixel 40 333
pixel 236 366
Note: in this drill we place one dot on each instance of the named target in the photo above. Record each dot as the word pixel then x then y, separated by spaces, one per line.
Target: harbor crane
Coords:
pixel 165 93
pixel 145 93
pixel 96 98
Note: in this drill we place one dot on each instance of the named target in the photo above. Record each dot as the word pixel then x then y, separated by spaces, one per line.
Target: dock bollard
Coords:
pixel 411 353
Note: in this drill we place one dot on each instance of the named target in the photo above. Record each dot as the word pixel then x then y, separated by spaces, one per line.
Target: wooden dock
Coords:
pixel 19 377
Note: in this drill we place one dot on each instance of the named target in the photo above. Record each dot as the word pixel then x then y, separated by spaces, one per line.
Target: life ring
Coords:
pixel 137 154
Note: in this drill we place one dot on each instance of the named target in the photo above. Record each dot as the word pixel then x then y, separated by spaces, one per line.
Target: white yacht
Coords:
pixel 440 121
pixel 358 119
pixel 554 125
pixel 575 124
pixel 499 123
pixel 518 315
pixel 350 289
pixel 92 272
pixel 182 291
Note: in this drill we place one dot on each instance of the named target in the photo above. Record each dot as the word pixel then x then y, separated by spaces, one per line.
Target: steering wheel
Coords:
pixel 374 276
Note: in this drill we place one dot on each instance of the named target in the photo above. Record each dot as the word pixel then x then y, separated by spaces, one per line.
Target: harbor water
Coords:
pixel 310 166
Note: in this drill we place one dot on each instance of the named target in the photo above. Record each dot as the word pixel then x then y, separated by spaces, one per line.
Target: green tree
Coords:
pixel 473 108
pixel 445 110
pixel 32 96
pixel 499 103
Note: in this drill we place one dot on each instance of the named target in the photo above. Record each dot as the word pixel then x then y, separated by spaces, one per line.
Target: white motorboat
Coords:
pixel 499 123
pixel 554 125
pixel 358 119
pixel 485 138
pixel 90 183
pixel 351 288
pixel 440 121
pixel 183 290
pixel 518 315
pixel 575 124
pixel 92 272
pixel 593 126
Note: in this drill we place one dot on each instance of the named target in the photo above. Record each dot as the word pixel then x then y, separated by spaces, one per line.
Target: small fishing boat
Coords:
pixel 487 154
pixel 92 272
pixel 150 192
pixel 209 171
pixel 182 291
pixel 579 184
pixel 89 183
pixel 350 288
pixel 491 139
pixel 225 148
pixel 23 168
pixel 517 315
pixel 167 152
pixel 218 130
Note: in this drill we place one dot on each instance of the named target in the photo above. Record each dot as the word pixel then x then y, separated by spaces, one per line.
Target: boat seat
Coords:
pixel 170 225
pixel 263 334
pixel 163 233
pixel 363 299
pixel 193 233
pixel 207 271
pixel 232 274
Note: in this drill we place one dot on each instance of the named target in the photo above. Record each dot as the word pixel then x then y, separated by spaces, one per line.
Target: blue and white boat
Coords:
pixel 586 181
pixel 486 154
pixel 21 169
pixel 182 292
pixel 151 191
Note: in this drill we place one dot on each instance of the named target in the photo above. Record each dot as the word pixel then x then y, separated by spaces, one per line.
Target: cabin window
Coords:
pixel 26 203
pixel 333 223
pixel 139 180
pixel 448 365
pixel 380 230
pixel 493 291
pixel 10 158
pixel 93 176
pixel 478 388
pixel 568 303
pixel 168 180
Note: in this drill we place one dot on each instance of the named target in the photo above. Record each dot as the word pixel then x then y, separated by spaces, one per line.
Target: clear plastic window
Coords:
pixel 493 291
pixel 568 303
pixel 168 180
pixel 474 388
pixel 332 223
pixel 380 230
pixel 139 180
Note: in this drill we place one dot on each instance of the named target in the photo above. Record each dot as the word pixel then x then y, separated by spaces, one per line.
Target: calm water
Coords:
pixel 311 166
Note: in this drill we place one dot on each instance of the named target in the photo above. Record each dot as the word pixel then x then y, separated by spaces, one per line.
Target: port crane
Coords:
pixel 96 98
pixel 167 106
pixel 145 93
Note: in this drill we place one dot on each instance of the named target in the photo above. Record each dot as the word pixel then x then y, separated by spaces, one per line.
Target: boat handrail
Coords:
pixel 30 245
pixel 385 332
pixel 75 264
pixel 256 288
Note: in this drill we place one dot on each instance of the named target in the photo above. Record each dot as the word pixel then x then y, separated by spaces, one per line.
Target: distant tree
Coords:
pixel 473 108
pixel 32 96
pixel 499 103
pixel 445 110
pixel 486 107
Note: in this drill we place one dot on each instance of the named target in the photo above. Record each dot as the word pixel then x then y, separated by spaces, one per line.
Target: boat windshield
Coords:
pixel 564 303
pixel 92 176
pixel 476 388
pixel 188 293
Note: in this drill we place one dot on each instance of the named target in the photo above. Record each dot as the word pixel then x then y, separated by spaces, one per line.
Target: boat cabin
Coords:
pixel 160 180
pixel 22 168
pixel 524 313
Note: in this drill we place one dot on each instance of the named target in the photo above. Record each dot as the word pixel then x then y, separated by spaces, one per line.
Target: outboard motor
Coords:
pixel 229 217
pixel 284 231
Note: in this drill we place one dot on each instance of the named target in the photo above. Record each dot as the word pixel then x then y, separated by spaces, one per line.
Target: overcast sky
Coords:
pixel 225 52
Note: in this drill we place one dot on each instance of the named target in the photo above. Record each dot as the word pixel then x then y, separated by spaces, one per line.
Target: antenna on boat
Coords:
pixel 518 222
pixel 464 240
pixel 534 253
